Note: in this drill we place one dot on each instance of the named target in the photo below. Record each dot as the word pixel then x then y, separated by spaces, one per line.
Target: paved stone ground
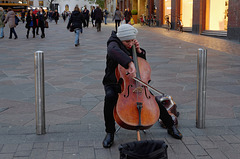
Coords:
pixel 74 94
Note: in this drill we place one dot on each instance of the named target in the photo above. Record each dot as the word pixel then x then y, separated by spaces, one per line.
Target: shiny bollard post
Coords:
pixel 39 92
pixel 201 88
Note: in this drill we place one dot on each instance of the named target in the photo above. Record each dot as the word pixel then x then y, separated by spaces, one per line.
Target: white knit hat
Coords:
pixel 126 32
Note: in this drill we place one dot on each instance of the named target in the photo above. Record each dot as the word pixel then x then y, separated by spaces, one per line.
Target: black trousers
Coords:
pixel 111 97
pixel 117 24
pixel 33 30
pixel 12 31
pixel 87 22
pixel 98 24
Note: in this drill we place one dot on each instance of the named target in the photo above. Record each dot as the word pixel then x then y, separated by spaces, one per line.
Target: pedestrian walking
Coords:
pixel 98 18
pixel 42 16
pixel 23 14
pixel 179 25
pixel 127 15
pixel 31 23
pixel 168 23
pixel 50 15
pixel 75 23
pixel 56 16
pixel 105 14
pixel 64 15
pixel 93 16
pixel 86 16
pixel 35 12
pixel 2 25
pixel 119 50
pixel 10 19
pixel 117 17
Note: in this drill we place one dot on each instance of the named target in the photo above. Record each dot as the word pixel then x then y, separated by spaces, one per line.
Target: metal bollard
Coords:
pixel 39 92
pixel 201 88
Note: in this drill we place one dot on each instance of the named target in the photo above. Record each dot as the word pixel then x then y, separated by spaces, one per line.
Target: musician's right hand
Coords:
pixel 131 69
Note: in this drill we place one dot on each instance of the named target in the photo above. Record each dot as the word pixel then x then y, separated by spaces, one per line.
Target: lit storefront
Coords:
pixel 216 14
pixel 187 12
pixel 167 10
pixel 207 17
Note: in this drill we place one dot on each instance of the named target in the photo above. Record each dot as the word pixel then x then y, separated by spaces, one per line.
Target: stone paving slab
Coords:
pixel 74 94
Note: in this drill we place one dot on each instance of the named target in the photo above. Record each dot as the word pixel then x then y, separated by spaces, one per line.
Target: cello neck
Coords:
pixel 136 62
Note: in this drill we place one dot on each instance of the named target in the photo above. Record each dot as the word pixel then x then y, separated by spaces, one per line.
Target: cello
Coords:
pixel 136 108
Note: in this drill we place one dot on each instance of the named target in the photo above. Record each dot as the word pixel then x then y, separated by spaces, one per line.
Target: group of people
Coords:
pixel 80 19
pixel 35 19
pixel 119 52
pixel 118 17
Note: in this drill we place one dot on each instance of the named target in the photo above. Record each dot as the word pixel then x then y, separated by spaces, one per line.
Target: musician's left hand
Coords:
pixel 137 45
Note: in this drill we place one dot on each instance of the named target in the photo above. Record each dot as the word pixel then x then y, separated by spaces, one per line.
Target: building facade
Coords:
pixel 62 5
pixel 16 5
pixel 197 16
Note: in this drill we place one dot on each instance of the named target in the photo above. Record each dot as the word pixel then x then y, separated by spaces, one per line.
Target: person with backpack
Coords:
pixel 75 23
pixel 11 20
pixel 2 25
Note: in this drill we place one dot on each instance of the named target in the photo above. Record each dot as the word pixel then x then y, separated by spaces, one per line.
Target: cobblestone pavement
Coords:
pixel 74 94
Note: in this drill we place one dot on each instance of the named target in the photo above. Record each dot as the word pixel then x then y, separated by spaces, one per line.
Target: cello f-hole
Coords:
pixel 148 97
pixel 128 91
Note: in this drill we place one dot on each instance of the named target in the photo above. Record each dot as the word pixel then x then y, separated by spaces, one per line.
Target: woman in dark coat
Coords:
pixel 86 16
pixel 42 16
pixel 31 23
pixel 99 18
pixel 56 16
pixel 75 22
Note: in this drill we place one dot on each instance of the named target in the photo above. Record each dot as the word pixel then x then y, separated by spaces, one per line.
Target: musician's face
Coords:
pixel 128 43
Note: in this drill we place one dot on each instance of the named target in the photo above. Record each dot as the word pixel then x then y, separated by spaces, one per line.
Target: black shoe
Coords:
pixel 108 140
pixel 33 36
pixel 10 38
pixel 15 37
pixel 27 36
pixel 174 132
pixel 77 44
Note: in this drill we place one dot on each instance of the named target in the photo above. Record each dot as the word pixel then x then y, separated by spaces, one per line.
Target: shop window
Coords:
pixel 31 3
pixel 40 3
pixel 167 10
pixel 218 15
pixel 187 13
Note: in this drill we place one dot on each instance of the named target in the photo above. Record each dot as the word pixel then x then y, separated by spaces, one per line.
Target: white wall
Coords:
pixel 72 4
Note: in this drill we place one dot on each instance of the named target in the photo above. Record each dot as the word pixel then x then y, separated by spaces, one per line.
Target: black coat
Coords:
pixel 93 14
pixel 86 14
pixel 98 15
pixel 117 53
pixel 29 19
pixel 76 20
pixel 56 15
pixel 41 18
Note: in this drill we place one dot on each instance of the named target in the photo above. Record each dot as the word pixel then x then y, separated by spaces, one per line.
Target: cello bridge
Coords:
pixel 138 90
